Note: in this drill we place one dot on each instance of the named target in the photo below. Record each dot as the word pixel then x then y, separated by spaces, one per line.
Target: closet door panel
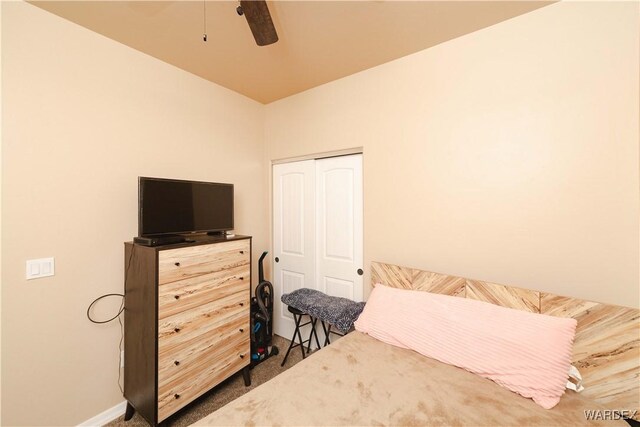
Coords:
pixel 339 226
pixel 293 235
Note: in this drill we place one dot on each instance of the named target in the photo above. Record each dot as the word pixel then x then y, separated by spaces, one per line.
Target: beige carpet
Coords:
pixel 225 392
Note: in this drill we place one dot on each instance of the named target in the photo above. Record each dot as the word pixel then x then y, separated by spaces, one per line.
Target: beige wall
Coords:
pixel 509 154
pixel 83 117
pixel 0 210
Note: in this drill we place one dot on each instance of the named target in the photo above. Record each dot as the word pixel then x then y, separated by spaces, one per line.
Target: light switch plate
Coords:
pixel 42 267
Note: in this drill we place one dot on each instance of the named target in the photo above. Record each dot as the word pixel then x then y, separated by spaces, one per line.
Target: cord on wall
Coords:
pixel 117 316
pixel 110 319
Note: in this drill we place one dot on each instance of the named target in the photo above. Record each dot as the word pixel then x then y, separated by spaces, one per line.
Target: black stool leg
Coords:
pixel 297 331
pixel 296 319
pixel 314 332
pixel 326 331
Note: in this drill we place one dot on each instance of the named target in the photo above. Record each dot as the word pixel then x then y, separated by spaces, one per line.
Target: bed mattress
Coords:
pixel 358 380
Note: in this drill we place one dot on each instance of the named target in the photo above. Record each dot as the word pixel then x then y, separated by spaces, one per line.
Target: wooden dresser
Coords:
pixel 186 322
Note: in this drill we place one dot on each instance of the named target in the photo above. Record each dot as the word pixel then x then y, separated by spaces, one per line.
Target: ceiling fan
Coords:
pixel 259 20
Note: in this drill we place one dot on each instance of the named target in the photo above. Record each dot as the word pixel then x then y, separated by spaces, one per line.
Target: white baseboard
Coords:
pixel 106 416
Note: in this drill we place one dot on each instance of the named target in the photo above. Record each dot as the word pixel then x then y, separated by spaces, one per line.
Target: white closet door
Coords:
pixel 339 229
pixel 294 236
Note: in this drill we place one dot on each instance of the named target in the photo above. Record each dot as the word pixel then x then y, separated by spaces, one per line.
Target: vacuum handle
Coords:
pixel 260 268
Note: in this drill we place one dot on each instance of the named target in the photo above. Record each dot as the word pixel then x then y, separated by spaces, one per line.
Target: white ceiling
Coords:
pixel 320 41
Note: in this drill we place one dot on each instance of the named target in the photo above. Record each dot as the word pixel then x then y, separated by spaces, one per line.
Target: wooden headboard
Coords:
pixel 606 349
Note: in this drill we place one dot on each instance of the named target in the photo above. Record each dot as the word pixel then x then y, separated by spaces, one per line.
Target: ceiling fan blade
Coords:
pixel 259 20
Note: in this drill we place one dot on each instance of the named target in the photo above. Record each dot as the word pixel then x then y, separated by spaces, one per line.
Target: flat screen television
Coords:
pixel 171 206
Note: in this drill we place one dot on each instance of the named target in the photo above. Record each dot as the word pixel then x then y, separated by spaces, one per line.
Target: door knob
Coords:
pixel 277 259
pixel 360 272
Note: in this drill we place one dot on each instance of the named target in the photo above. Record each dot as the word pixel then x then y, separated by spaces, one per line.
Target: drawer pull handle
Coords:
pixel 176 363
pixel 242 356
pixel 177 297
pixel 241 252
pixel 241 330
pixel 177 329
pixel 241 278
pixel 241 304
pixel 177 396
pixel 177 264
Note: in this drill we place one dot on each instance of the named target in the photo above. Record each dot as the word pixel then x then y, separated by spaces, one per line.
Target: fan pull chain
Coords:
pixel 204 8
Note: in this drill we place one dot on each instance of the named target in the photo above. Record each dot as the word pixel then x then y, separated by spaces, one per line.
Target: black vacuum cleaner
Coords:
pixel 262 319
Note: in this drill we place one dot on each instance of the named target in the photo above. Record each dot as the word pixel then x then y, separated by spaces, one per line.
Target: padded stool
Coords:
pixel 297 317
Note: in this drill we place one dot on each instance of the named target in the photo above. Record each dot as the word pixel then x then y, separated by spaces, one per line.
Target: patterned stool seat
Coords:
pixel 336 311
pixel 331 311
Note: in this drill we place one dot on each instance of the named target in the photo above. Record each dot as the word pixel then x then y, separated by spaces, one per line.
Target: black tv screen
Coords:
pixel 171 206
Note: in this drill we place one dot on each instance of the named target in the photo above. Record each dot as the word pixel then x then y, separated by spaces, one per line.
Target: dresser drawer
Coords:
pixel 186 294
pixel 178 331
pixel 183 357
pixel 184 263
pixel 212 368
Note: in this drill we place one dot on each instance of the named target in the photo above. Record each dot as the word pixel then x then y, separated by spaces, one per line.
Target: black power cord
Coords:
pixel 100 322
pixel 108 320
pixel 117 316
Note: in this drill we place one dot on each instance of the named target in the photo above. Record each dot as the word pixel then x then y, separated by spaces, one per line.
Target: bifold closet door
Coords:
pixel 317 231
pixel 294 232
pixel 339 228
